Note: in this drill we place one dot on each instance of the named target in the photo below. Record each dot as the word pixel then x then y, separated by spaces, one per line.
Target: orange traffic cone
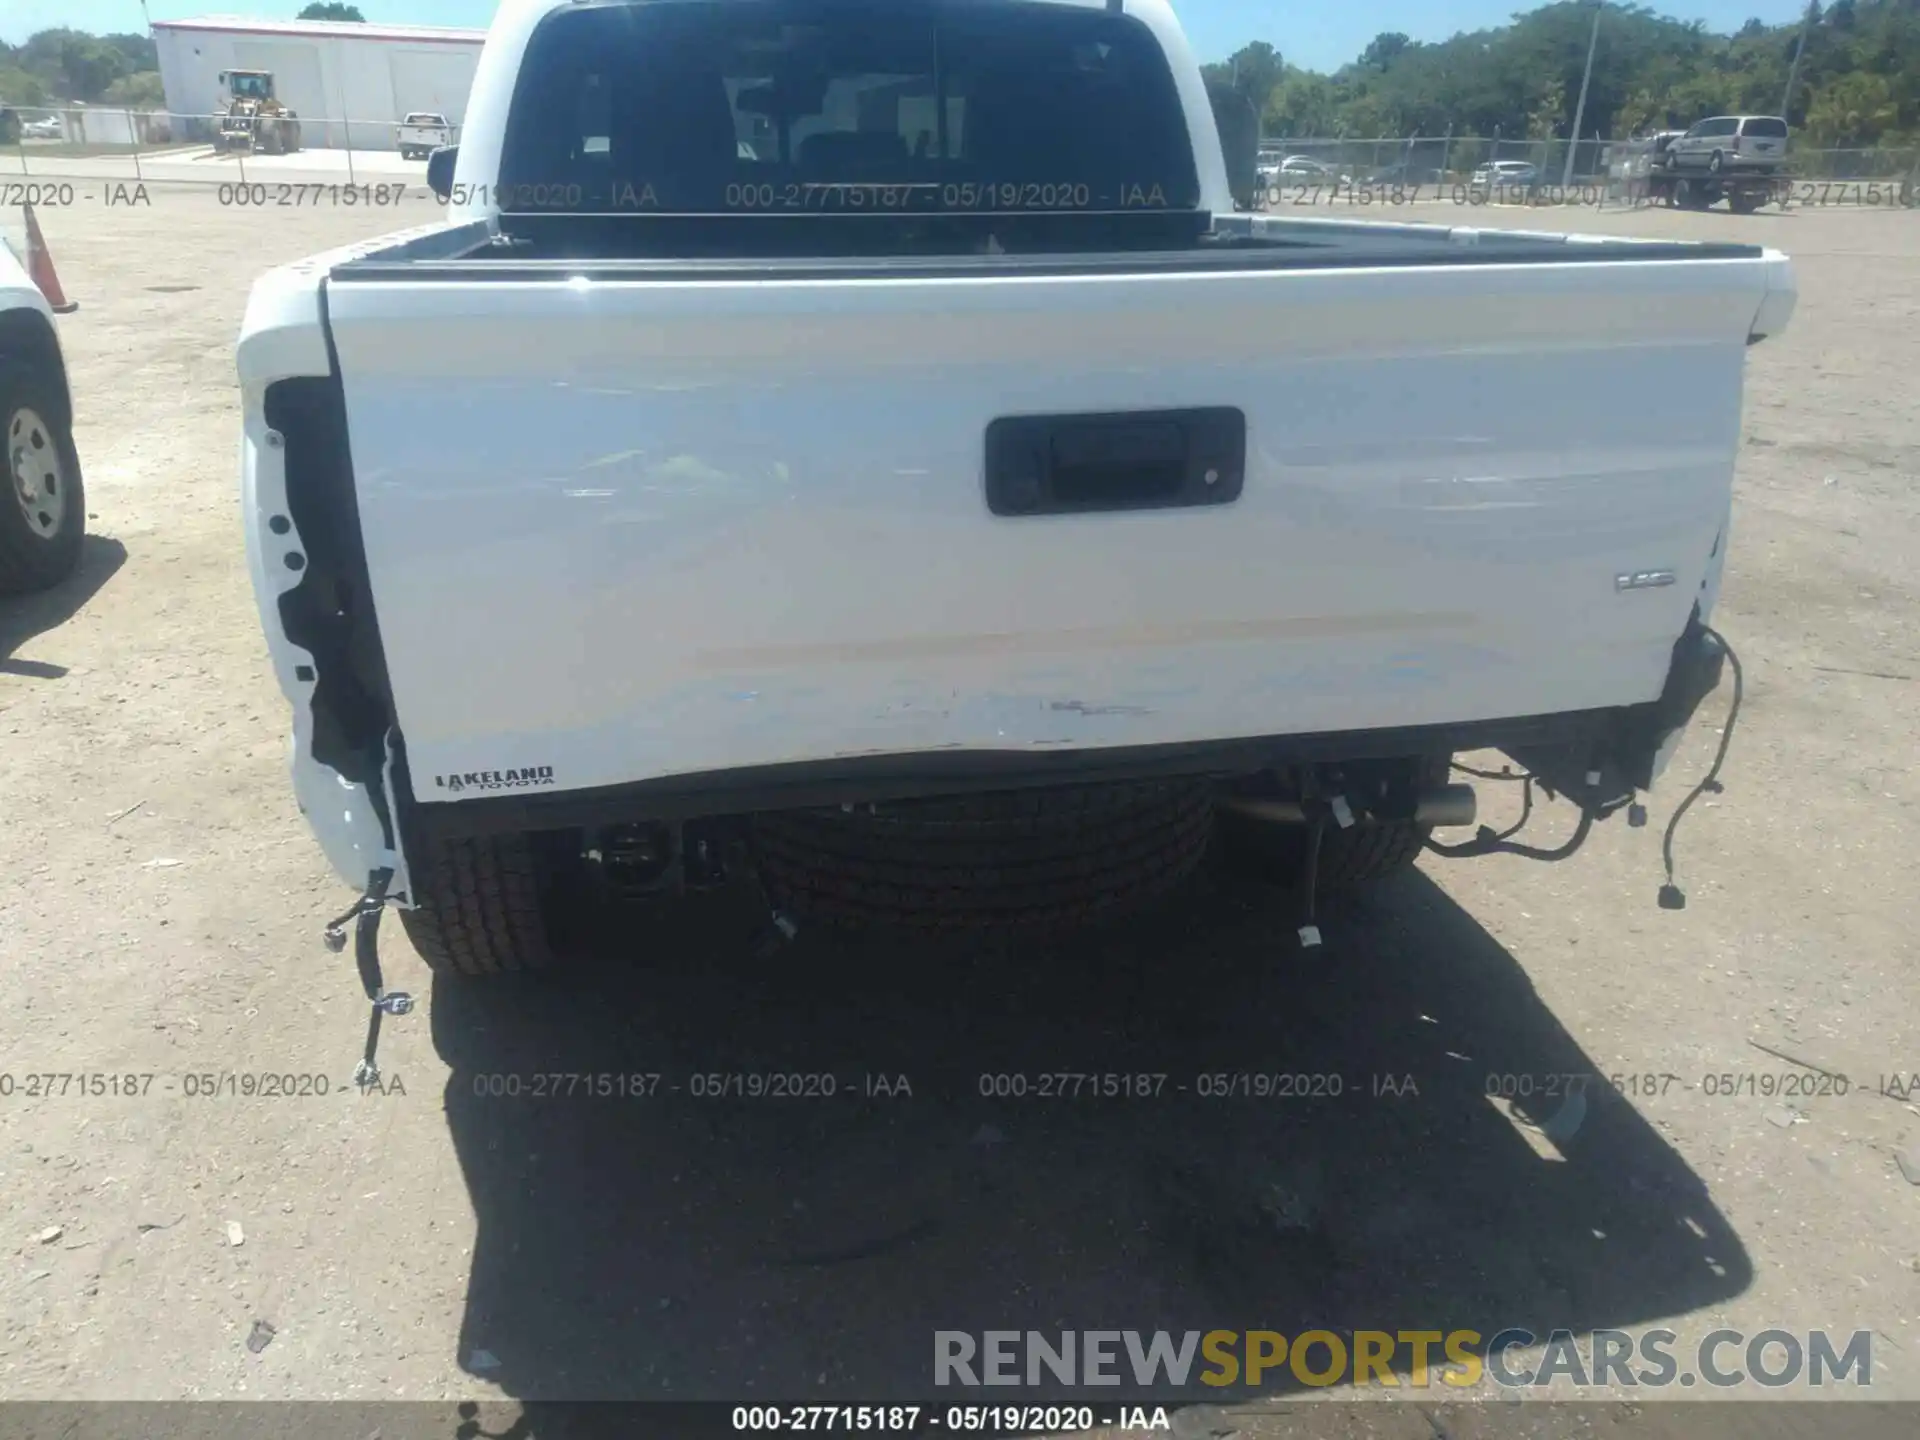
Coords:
pixel 40 268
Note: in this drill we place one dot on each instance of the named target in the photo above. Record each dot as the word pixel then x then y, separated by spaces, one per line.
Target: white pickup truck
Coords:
pixel 43 516
pixel 859 448
pixel 420 134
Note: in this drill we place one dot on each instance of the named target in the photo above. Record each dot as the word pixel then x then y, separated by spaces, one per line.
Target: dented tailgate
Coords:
pixel 626 528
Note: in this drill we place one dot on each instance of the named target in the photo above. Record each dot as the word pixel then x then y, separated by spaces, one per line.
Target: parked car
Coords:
pixel 932 564
pixel 422 133
pixel 1506 175
pixel 1306 168
pixel 1746 144
pixel 1300 172
pixel 43 512
pixel 1737 158
pixel 47 127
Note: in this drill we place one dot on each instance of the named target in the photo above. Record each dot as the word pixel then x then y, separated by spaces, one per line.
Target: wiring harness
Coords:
pixel 1501 842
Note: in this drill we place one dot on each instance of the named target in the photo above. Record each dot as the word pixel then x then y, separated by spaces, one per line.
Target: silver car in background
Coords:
pixel 1723 143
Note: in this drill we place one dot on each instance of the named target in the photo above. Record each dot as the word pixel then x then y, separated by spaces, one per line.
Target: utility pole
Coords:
pixel 1580 109
pixel 1793 71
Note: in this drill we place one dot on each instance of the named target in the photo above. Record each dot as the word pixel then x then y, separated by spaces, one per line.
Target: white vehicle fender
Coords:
pixel 282 337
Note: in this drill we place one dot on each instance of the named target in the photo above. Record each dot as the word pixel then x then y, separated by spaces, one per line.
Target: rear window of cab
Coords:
pixel 711 107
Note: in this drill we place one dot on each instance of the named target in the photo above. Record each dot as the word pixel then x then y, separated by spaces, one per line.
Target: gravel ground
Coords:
pixel 432 1242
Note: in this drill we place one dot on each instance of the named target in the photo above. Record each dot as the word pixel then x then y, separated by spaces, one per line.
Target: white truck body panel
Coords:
pixel 284 337
pixel 17 290
pixel 629 530
pixel 620 526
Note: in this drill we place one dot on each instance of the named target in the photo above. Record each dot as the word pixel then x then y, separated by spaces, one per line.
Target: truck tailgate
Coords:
pixel 634 527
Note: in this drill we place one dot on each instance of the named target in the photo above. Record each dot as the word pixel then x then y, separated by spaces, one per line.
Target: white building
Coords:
pixel 348 83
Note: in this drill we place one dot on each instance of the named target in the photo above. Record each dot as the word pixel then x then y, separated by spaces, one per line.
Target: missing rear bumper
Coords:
pixel 879 779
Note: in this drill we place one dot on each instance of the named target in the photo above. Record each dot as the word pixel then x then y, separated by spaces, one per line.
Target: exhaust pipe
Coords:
pixel 1446 805
pixel 1437 805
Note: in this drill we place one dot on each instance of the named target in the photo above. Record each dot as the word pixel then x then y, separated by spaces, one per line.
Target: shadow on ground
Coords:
pixel 24 616
pixel 808 1248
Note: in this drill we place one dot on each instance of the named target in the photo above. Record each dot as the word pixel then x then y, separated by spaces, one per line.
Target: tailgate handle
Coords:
pixel 1137 460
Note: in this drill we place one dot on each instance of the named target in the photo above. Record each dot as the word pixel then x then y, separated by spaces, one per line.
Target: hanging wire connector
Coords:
pixel 365 919
pixel 1672 897
pixel 1310 876
pixel 1488 841
pixel 1500 842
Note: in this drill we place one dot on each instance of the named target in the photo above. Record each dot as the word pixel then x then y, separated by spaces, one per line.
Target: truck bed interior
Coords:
pixel 543 246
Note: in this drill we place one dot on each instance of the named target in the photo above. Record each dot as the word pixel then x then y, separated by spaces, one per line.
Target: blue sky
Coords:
pixel 1321 37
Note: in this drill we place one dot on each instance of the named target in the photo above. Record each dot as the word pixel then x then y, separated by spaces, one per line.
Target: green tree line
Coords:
pixel 71 65
pixel 1858 83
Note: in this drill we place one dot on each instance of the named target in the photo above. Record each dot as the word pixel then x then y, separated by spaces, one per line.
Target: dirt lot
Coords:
pixel 165 902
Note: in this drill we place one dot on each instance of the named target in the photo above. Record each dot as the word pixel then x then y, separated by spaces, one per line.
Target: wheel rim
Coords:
pixel 39 479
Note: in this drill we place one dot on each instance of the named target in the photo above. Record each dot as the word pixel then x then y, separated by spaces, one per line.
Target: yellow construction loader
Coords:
pixel 251 119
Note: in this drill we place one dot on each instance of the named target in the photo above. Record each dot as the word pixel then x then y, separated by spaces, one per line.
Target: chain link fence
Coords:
pixel 100 142
pixel 1455 159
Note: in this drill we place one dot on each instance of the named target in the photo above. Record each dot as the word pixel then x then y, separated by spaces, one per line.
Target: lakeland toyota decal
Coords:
pixel 496 779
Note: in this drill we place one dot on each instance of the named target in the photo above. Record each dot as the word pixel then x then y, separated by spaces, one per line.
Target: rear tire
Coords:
pixel 43 503
pixel 1368 853
pixel 1745 202
pixel 1027 861
pixel 477 906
